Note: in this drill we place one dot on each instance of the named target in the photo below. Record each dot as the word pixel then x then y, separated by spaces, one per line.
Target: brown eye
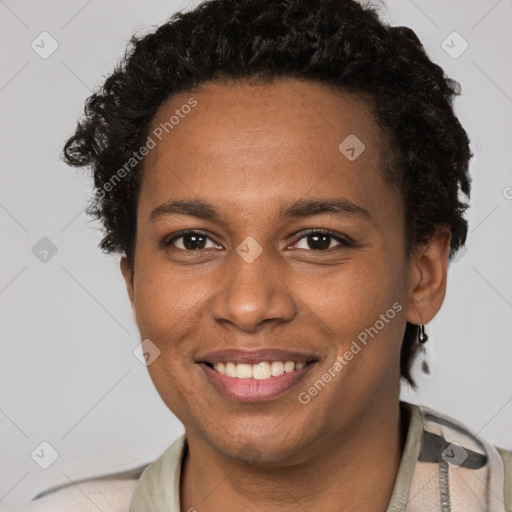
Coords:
pixel 190 241
pixel 320 240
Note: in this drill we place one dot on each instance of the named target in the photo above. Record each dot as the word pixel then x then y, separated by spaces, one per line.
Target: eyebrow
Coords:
pixel 298 209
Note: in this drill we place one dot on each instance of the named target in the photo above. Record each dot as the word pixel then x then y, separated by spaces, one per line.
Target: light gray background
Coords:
pixel 68 373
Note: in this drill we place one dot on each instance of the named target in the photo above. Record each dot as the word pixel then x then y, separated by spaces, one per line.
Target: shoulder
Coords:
pixel 464 460
pixel 116 492
pixel 112 493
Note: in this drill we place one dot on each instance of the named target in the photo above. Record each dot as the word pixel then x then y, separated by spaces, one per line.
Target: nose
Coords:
pixel 253 293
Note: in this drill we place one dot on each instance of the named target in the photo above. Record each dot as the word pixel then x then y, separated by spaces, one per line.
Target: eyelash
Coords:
pixel 345 242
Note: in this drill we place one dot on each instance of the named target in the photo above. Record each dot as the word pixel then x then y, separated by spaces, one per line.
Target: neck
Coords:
pixel 344 471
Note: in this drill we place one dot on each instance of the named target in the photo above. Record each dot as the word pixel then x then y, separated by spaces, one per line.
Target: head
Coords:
pixel 274 119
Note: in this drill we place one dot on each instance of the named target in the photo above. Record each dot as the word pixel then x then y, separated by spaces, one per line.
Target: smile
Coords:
pixel 255 382
pixel 259 371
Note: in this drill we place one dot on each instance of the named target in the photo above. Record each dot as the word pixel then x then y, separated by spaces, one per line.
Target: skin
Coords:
pixel 248 150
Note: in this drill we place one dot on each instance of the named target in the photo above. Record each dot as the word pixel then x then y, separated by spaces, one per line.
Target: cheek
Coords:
pixel 175 386
pixel 165 309
pixel 379 320
pixel 353 296
pixel 166 298
pixel 364 310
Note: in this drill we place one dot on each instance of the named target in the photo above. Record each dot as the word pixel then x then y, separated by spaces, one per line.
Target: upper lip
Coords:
pixel 255 356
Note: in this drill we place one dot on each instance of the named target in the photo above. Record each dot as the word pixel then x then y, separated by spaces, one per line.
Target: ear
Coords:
pixel 128 278
pixel 428 277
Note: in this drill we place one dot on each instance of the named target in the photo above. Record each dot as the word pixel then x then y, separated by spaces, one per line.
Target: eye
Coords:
pixel 189 241
pixel 315 239
pixel 320 240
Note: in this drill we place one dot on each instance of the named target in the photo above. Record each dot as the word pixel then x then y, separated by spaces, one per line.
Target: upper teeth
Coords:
pixel 262 370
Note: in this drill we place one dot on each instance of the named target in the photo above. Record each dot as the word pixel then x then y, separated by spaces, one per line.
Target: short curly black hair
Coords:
pixel 340 43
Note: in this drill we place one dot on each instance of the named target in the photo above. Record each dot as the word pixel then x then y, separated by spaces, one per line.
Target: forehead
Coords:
pixel 263 143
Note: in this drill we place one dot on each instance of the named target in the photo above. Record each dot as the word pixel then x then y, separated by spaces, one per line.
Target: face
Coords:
pixel 258 273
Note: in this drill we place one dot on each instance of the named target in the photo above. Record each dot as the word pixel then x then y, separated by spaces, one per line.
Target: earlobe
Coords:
pixel 128 278
pixel 428 278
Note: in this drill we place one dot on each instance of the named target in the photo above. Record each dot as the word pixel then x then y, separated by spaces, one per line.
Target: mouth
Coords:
pixel 249 379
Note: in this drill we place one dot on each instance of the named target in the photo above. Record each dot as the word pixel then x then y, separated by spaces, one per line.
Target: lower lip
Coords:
pixel 255 390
